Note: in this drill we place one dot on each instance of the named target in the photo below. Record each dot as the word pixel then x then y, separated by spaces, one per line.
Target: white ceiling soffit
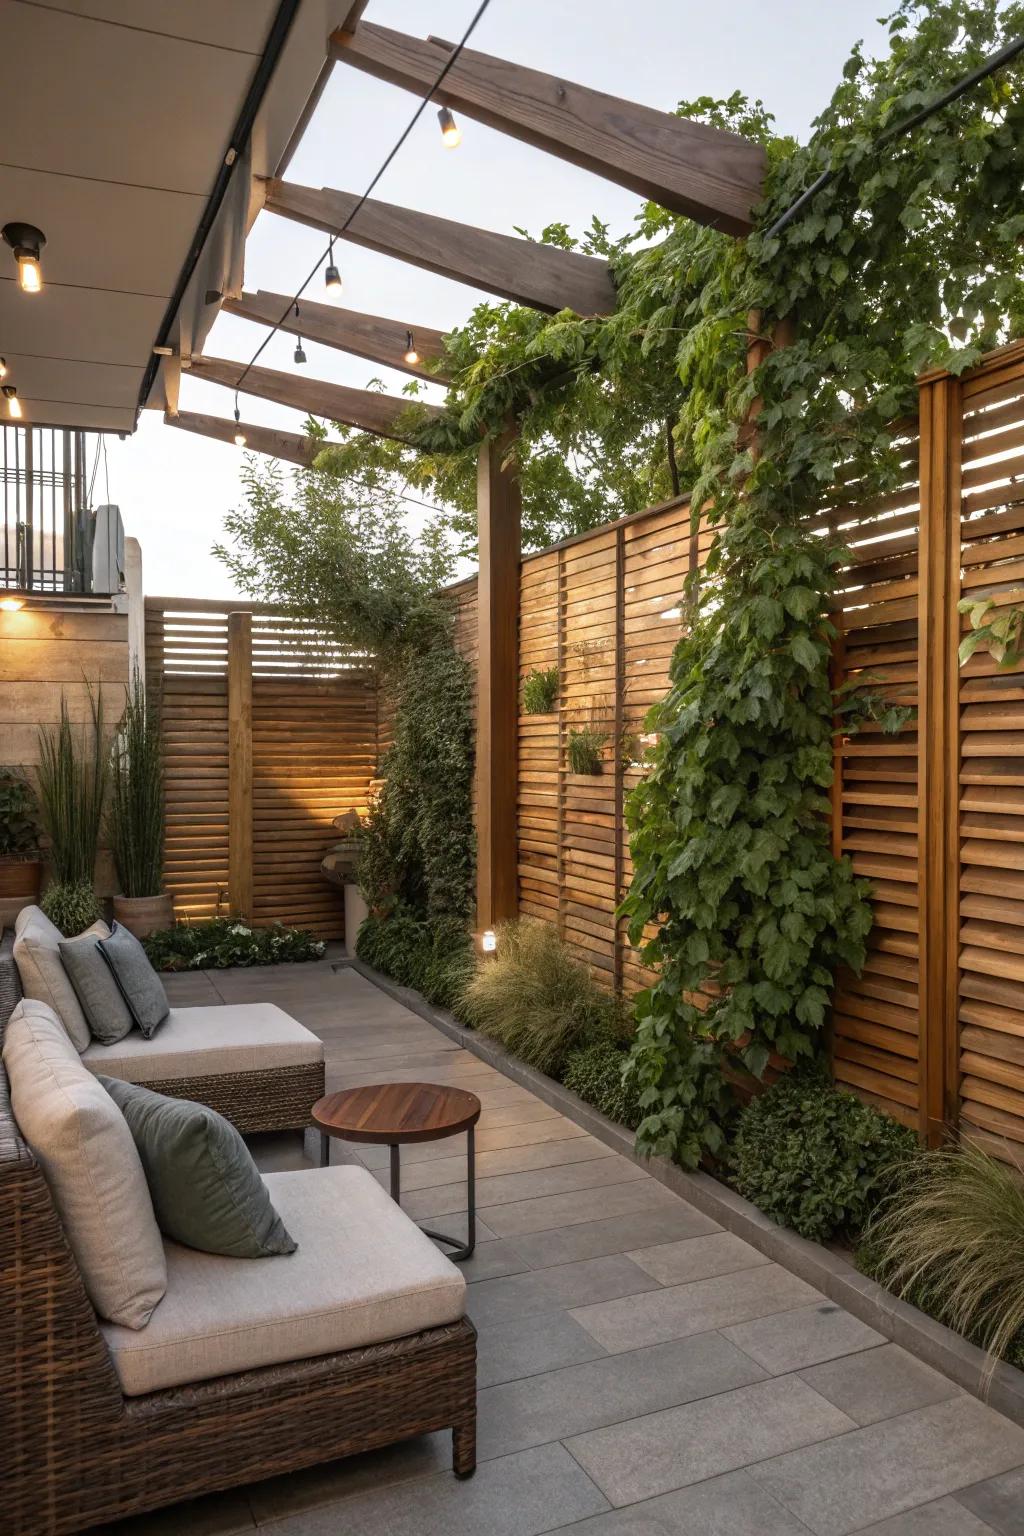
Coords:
pixel 127 112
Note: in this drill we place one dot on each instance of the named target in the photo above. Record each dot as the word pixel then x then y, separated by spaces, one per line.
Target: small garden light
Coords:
pixel 488 941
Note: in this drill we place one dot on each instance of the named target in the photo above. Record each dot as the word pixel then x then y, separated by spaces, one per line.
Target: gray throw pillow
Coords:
pixel 138 983
pixel 206 1190
pixel 107 1014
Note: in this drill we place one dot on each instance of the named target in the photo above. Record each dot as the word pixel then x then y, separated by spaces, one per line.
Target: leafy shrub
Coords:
pixel 224 942
pixel 950 1240
pixel 450 963
pixel 71 907
pixel 19 812
pixel 434 958
pixel 814 1158
pixel 536 1000
pixel 584 750
pixel 540 691
pixel 595 1073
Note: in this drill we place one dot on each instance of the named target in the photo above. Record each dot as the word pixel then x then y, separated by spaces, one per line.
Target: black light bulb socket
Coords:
pixel 9 391
pixel 332 277
pixel 300 356
pixel 24 239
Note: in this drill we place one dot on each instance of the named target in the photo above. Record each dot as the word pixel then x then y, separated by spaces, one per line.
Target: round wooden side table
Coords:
pixel 393 1113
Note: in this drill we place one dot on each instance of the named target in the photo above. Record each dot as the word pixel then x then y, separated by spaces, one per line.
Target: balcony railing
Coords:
pixel 51 540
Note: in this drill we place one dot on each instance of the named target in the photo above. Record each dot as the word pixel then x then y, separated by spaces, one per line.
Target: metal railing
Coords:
pixel 51 541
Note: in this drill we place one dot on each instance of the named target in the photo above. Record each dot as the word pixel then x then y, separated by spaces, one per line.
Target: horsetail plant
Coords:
pixel 136 821
pixel 72 787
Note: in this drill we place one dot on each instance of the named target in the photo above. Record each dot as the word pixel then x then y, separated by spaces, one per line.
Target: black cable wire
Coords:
pixel 987 67
pixel 424 104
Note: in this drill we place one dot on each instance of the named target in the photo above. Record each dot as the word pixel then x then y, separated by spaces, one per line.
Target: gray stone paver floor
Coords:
pixel 642 1373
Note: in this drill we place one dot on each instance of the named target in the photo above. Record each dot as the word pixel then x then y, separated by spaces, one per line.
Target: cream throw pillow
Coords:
pixel 82 1143
pixel 43 977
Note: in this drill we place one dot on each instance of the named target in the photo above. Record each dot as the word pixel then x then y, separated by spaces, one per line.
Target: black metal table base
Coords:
pixel 460 1250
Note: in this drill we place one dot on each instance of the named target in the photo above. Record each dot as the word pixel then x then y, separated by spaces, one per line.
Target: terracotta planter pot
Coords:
pixel 143 915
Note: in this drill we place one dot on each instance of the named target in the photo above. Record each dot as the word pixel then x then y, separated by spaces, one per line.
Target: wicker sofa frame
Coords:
pixel 264 1099
pixel 77 1452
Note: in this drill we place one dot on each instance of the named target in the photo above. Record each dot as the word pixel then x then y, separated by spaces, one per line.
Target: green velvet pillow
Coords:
pixel 206 1190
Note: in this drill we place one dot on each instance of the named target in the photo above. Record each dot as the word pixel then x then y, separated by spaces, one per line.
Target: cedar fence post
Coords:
pixel 497 747
pixel 240 800
pixel 938 726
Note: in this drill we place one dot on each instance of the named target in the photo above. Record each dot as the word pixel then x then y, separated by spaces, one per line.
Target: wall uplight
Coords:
pixel 3 367
pixel 27 243
pixel 13 403
pixel 451 134
pixel 11 602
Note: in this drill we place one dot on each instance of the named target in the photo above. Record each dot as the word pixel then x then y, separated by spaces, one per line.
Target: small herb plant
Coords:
pixel 584 749
pixel 540 690
pixel 224 942
pixel 71 907
pixel 19 816
pixel 814 1158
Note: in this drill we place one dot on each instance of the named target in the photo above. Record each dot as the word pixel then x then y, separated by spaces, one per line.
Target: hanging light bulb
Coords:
pixel 300 356
pixel 26 242
pixel 451 133
pixel 412 357
pixel 239 434
pixel 13 403
pixel 332 277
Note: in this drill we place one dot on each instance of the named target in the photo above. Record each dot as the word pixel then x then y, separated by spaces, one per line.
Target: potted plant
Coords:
pixel 72 786
pixel 340 865
pixel 136 819
pixel 20 865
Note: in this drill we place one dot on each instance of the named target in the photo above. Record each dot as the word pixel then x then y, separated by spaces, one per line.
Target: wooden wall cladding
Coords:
pixel 313 742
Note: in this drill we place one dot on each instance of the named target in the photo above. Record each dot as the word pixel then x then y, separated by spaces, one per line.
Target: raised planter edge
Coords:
pixel 830 1273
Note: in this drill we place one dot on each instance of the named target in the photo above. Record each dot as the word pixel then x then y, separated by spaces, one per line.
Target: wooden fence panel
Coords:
pixel 269 731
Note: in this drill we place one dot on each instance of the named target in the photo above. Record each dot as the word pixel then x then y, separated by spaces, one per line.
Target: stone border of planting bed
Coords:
pixel 827 1271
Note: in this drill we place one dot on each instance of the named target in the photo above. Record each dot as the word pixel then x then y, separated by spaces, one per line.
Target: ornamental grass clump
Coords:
pixel 540 691
pixel 136 820
pixel 536 1000
pixel 950 1240
pixel 813 1158
pixel 72 787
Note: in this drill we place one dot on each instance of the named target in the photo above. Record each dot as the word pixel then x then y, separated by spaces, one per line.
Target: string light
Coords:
pixel 239 434
pixel 300 356
pixel 451 60
pixel 451 133
pixel 412 357
pixel 13 403
pixel 332 277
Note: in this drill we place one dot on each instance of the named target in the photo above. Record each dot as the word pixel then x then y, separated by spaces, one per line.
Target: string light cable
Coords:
pixel 328 252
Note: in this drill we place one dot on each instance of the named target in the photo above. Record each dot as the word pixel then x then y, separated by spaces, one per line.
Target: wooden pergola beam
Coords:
pixel 370 336
pixel 362 408
pixel 280 445
pixel 542 277
pixel 707 174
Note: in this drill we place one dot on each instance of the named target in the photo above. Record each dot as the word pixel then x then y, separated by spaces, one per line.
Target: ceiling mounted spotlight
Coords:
pixel 239 434
pixel 27 243
pixel 411 355
pixel 332 277
pixel 3 367
pixel 451 133
pixel 13 403
pixel 300 356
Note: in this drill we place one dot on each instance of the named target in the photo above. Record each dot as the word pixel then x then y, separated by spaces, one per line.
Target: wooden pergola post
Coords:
pixel 499 516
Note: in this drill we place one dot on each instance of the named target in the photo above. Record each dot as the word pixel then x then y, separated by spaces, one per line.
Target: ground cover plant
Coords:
pixel 436 958
pixel 814 1158
pixel 595 1074
pixel 221 942
pixel 950 1240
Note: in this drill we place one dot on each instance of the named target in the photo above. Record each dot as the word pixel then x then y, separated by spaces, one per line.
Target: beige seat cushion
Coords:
pixel 82 1143
pixel 42 973
pixel 362 1273
pixel 205 1042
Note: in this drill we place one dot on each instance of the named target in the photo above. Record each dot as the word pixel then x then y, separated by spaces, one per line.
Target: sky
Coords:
pixel 175 488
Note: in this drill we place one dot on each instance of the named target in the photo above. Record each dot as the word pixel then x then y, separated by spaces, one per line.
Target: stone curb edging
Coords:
pixel 828 1272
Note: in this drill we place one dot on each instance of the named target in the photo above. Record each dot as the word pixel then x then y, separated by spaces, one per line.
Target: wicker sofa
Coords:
pixel 250 1062
pixel 82 1446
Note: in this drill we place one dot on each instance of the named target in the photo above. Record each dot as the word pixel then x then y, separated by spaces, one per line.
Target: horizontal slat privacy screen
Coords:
pixel 313 749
